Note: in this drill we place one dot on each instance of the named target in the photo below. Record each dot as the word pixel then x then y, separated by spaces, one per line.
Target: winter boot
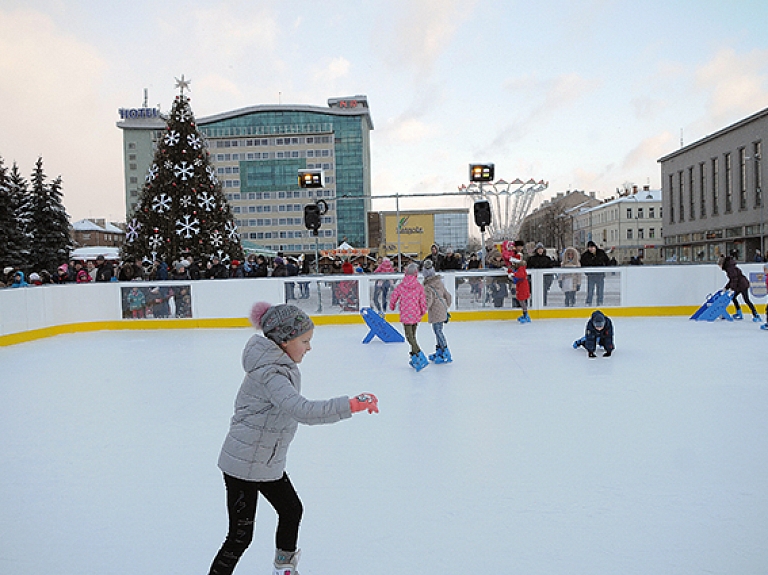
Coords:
pixel 434 356
pixel 578 343
pixel 764 326
pixel 412 361
pixel 756 319
pixel 738 315
pixel 285 562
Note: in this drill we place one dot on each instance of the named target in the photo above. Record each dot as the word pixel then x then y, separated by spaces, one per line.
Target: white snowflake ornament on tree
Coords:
pixel 206 201
pixel 217 240
pixel 185 201
pixel 161 203
pixel 152 173
pixel 132 232
pixel 211 174
pixel 187 227
pixel 232 231
pixel 183 170
pixel 194 141
pixel 155 241
pixel 172 138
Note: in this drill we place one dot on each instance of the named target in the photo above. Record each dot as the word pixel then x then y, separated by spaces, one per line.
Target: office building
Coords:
pixel 713 200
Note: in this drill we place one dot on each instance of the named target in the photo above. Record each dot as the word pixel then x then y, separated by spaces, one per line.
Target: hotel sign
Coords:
pixel 136 113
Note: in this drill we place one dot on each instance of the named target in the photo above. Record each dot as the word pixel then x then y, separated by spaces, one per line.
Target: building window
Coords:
pixel 691 195
pixel 131 145
pixel 671 199
pixel 715 186
pixel 681 181
pixel 651 212
pixel 640 233
pixel 651 232
pixel 742 179
pixel 702 191
pixel 728 184
pixel 757 154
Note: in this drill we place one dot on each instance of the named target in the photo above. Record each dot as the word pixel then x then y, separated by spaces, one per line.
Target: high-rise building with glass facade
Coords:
pixel 257 153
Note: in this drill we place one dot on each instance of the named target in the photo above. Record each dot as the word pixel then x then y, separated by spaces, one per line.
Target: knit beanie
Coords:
pixel 280 323
pixel 428 269
pixel 412 270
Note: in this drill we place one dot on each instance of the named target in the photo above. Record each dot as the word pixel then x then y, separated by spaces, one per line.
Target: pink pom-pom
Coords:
pixel 257 312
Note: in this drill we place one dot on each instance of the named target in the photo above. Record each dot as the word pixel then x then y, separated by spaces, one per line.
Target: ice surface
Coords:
pixel 521 456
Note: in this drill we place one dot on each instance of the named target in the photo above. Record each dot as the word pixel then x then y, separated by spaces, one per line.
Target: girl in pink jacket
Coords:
pixel 409 293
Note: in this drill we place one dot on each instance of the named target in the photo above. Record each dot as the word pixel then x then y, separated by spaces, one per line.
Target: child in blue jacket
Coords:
pixel 599 331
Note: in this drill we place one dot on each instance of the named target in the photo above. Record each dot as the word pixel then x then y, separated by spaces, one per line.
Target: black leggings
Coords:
pixel 241 505
pixel 745 295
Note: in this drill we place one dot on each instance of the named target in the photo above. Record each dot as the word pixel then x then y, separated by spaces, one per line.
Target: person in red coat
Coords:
pixel 518 275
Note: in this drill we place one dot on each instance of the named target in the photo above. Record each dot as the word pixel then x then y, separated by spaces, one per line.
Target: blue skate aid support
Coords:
pixel 380 327
pixel 715 307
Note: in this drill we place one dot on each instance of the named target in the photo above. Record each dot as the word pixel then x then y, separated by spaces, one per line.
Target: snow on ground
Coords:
pixel 522 456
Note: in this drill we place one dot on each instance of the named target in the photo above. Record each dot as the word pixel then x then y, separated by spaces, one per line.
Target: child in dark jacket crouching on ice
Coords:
pixel 599 331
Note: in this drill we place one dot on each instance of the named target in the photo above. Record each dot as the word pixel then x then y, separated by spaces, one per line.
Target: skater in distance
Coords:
pixel 599 331
pixel 409 295
pixel 739 283
pixel 268 410
pixel 438 301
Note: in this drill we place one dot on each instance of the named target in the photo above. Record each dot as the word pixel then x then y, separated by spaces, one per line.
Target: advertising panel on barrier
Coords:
pixel 142 301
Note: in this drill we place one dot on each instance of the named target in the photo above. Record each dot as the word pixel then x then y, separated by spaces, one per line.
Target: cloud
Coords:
pixel 424 29
pixel 559 93
pixel 737 84
pixel 53 106
pixel 648 151
pixel 410 130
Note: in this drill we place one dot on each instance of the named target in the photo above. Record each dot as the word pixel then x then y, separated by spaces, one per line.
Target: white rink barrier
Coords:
pixel 41 311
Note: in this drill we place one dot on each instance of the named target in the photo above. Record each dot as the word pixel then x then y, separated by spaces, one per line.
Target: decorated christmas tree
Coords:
pixel 181 209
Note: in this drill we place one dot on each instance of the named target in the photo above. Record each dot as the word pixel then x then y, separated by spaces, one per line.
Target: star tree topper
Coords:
pixel 181 84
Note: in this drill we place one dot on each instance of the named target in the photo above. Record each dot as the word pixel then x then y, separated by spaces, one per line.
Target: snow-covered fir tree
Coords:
pixel 50 242
pixel 21 201
pixel 14 250
pixel 182 210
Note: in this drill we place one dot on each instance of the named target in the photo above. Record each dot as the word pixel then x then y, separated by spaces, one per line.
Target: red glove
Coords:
pixel 364 401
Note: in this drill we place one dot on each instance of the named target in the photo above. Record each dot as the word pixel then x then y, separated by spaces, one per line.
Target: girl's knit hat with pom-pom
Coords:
pixel 280 323
pixel 412 269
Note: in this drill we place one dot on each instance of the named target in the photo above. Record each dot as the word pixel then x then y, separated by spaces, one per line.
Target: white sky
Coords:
pixel 521 456
pixel 583 95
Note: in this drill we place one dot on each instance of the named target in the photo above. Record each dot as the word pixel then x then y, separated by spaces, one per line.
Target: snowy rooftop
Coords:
pixel 521 456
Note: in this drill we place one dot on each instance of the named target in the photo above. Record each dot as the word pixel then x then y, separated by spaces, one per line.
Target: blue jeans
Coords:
pixel 595 282
pixel 439 336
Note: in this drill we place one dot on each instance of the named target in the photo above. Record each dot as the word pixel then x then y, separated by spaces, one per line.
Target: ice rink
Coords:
pixel 522 456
